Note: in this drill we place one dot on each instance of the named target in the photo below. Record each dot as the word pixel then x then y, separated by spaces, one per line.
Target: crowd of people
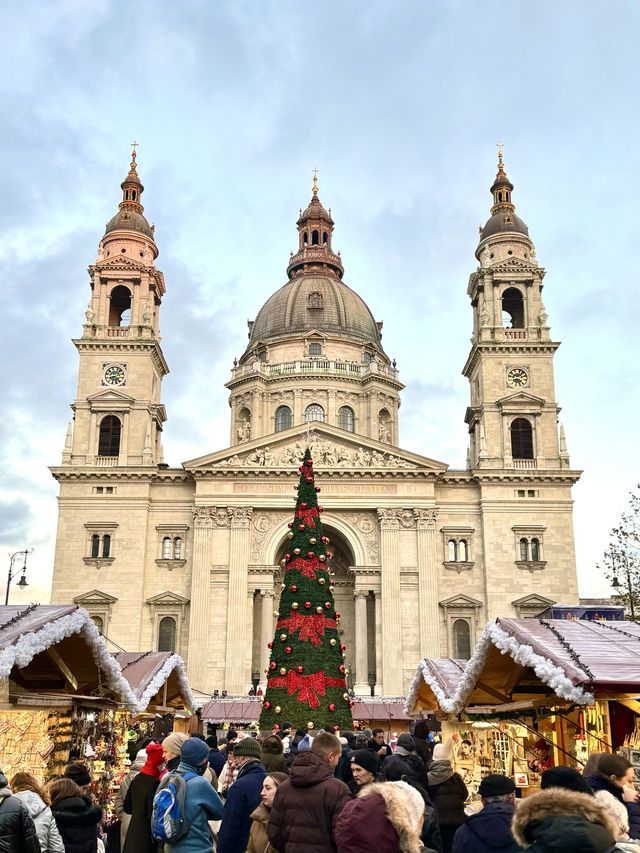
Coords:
pixel 318 792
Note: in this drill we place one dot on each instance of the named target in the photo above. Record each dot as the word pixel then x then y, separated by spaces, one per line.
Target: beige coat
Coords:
pixel 258 840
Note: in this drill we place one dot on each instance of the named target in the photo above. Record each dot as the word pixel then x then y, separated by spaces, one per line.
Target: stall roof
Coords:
pixel 526 660
pixel 148 672
pixel 56 647
pixel 234 709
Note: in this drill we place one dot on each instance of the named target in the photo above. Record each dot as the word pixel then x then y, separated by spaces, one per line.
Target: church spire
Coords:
pixel 132 188
pixel 502 188
pixel 315 230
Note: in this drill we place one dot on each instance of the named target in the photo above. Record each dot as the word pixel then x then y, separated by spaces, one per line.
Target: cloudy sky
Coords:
pixel 400 106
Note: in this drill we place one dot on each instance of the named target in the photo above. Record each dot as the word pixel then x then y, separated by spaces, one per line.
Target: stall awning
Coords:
pixel 371 708
pixel 529 660
pixel 245 709
pixel 148 673
pixel 56 648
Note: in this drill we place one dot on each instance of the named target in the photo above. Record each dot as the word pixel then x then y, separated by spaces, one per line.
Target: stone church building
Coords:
pixel 188 558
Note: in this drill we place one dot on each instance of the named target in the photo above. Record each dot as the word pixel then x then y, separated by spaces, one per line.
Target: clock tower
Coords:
pixel 513 416
pixel 118 414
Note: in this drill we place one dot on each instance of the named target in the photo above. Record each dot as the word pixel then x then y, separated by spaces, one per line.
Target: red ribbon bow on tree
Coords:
pixel 308 686
pixel 308 566
pixel 307 515
pixel 311 626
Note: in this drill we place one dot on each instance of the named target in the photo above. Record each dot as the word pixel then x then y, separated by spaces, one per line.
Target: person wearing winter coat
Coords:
pixel 243 797
pixel 76 817
pixel 307 804
pixel 405 762
pixel 489 830
pixel 430 833
pixel 201 803
pixel 557 820
pixel 217 759
pixel 118 805
pixel 424 746
pixel 365 767
pixel 273 758
pixel 448 794
pixel 258 838
pixel 17 829
pixel 229 772
pixel 139 803
pixel 613 788
pixel 384 817
pixel 35 799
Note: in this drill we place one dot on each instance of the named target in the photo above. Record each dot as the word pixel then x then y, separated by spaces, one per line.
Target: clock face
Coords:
pixel 114 375
pixel 517 377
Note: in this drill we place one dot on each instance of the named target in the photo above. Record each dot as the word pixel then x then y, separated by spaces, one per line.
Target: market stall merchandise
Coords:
pixel 549 687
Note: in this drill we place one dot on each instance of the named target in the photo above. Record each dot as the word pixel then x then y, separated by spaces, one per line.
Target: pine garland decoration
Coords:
pixel 306 675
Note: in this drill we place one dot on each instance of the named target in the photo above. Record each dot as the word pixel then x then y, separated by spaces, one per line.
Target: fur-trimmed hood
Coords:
pixel 563 821
pixel 397 814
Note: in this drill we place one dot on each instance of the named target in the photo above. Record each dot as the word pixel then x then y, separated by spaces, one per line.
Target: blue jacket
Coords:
pixel 201 804
pixel 488 831
pixel 217 760
pixel 243 797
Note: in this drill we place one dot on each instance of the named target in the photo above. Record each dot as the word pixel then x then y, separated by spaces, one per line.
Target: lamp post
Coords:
pixel 22 583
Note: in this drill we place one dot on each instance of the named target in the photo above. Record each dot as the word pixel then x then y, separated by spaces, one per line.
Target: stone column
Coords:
pixel 249 634
pixel 428 583
pixel 236 656
pixel 266 632
pixel 203 519
pixel 361 686
pixel 377 690
pixel 298 414
pixel 391 611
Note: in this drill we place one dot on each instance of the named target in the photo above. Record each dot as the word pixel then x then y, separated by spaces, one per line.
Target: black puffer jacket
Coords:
pixel 77 821
pixel 410 767
pixel 448 797
pixel 17 830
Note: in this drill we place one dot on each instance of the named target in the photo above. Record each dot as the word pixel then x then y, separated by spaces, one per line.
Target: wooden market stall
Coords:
pixel 535 682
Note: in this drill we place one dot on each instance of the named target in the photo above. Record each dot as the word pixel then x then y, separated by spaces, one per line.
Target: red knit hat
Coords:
pixel 154 759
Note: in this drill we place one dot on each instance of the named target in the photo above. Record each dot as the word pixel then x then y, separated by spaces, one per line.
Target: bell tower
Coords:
pixel 118 415
pixel 513 416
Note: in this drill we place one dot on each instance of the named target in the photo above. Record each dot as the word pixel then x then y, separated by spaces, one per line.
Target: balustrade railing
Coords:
pixel 315 366
pixel 525 463
pixel 106 461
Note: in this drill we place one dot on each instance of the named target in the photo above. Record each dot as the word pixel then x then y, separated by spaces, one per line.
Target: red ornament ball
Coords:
pixel 288 651
pixel 267 705
pixel 310 554
pixel 351 703
pixel 294 588
pixel 307 604
pixel 341 667
pixel 324 540
pixel 287 556
pixel 327 605
pixel 299 668
pixel 301 527
pixel 303 505
pixel 342 646
pixel 309 479
pixel 272 664
pixel 309 462
pixel 332 707
pixel 290 525
pixel 269 645
pixel 276 727
pixel 318 489
pixel 301 468
pixel 337 615
pixel 320 509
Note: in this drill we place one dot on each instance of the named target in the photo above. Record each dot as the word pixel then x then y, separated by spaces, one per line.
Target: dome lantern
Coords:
pixel 503 217
pixel 130 216
pixel 315 230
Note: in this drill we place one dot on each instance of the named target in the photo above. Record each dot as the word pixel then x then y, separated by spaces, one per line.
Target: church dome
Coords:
pixel 315 302
pixel 503 219
pixel 129 220
pixel 503 222
pixel 130 215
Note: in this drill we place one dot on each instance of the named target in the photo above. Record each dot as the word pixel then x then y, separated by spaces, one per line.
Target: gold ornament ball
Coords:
pixel 295 605
pixel 331 642
pixel 283 637
pixel 275 613
pixel 313 541
pixel 290 534
pixel 318 609
pixel 277 709
pixel 283 562
pixel 310 724
pixel 283 670
pixel 296 550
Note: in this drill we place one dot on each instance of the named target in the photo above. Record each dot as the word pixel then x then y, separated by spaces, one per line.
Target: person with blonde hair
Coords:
pixel 258 838
pixel 36 800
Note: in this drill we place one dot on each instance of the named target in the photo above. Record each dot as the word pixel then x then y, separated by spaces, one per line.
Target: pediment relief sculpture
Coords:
pixel 325 453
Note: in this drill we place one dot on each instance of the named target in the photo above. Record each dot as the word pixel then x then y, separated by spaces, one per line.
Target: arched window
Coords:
pixel 535 550
pixel 166 548
pixel 462 551
pixel 119 303
pixel 106 545
pixel 305 238
pixel 451 550
pixel 109 439
pixel 99 623
pixel 512 309
pixel 314 412
pixel 167 634
pixel 346 418
pixel 315 238
pixel 524 550
pixel 133 195
pixel 95 545
pixel 325 238
pixel 283 418
pixel 521 439
pixel 177 548
pixel 126 195
pixel 461 636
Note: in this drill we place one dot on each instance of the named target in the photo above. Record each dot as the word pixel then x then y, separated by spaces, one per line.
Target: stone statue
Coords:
pixel 330 457
pixel 287 458
pixel 268 457
pixel 100 251
pixel 383 433
pixel 146 315
pixel 244 430
pixel 543 317
pixel 344 457
pixel 89 314
pixel 256 458
pixel 362 458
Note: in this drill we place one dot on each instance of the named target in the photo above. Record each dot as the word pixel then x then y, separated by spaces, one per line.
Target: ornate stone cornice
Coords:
pixel 395 518
pixel 239 516
pixel 211 516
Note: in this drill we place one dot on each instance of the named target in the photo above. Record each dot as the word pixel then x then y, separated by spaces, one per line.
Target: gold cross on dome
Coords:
pixel 134 145
pixel 315 180
pixel 499 146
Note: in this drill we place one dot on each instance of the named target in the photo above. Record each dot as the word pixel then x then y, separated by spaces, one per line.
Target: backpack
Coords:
pixel 168 821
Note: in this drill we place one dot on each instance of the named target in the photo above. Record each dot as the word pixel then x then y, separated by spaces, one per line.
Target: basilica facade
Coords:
pixel 188 558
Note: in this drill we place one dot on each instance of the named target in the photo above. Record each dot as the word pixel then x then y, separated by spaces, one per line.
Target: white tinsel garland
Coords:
pixel 107 663
pixel 548 672
pixel 171 663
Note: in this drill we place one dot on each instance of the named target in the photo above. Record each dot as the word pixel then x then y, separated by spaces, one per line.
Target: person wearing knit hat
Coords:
pixel 405 764
pixel 424 746
pixel 243 797
pixel 489 830
pixel 79 773
pixel 208 774
pixel 565 777
pixel 448 792
pixel 139 803
pixel 171 747
pixel 364 767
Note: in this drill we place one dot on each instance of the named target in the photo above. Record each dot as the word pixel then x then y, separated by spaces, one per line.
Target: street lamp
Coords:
pixel 22 583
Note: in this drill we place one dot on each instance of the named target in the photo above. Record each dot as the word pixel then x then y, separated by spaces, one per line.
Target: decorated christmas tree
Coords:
pixel 306 674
